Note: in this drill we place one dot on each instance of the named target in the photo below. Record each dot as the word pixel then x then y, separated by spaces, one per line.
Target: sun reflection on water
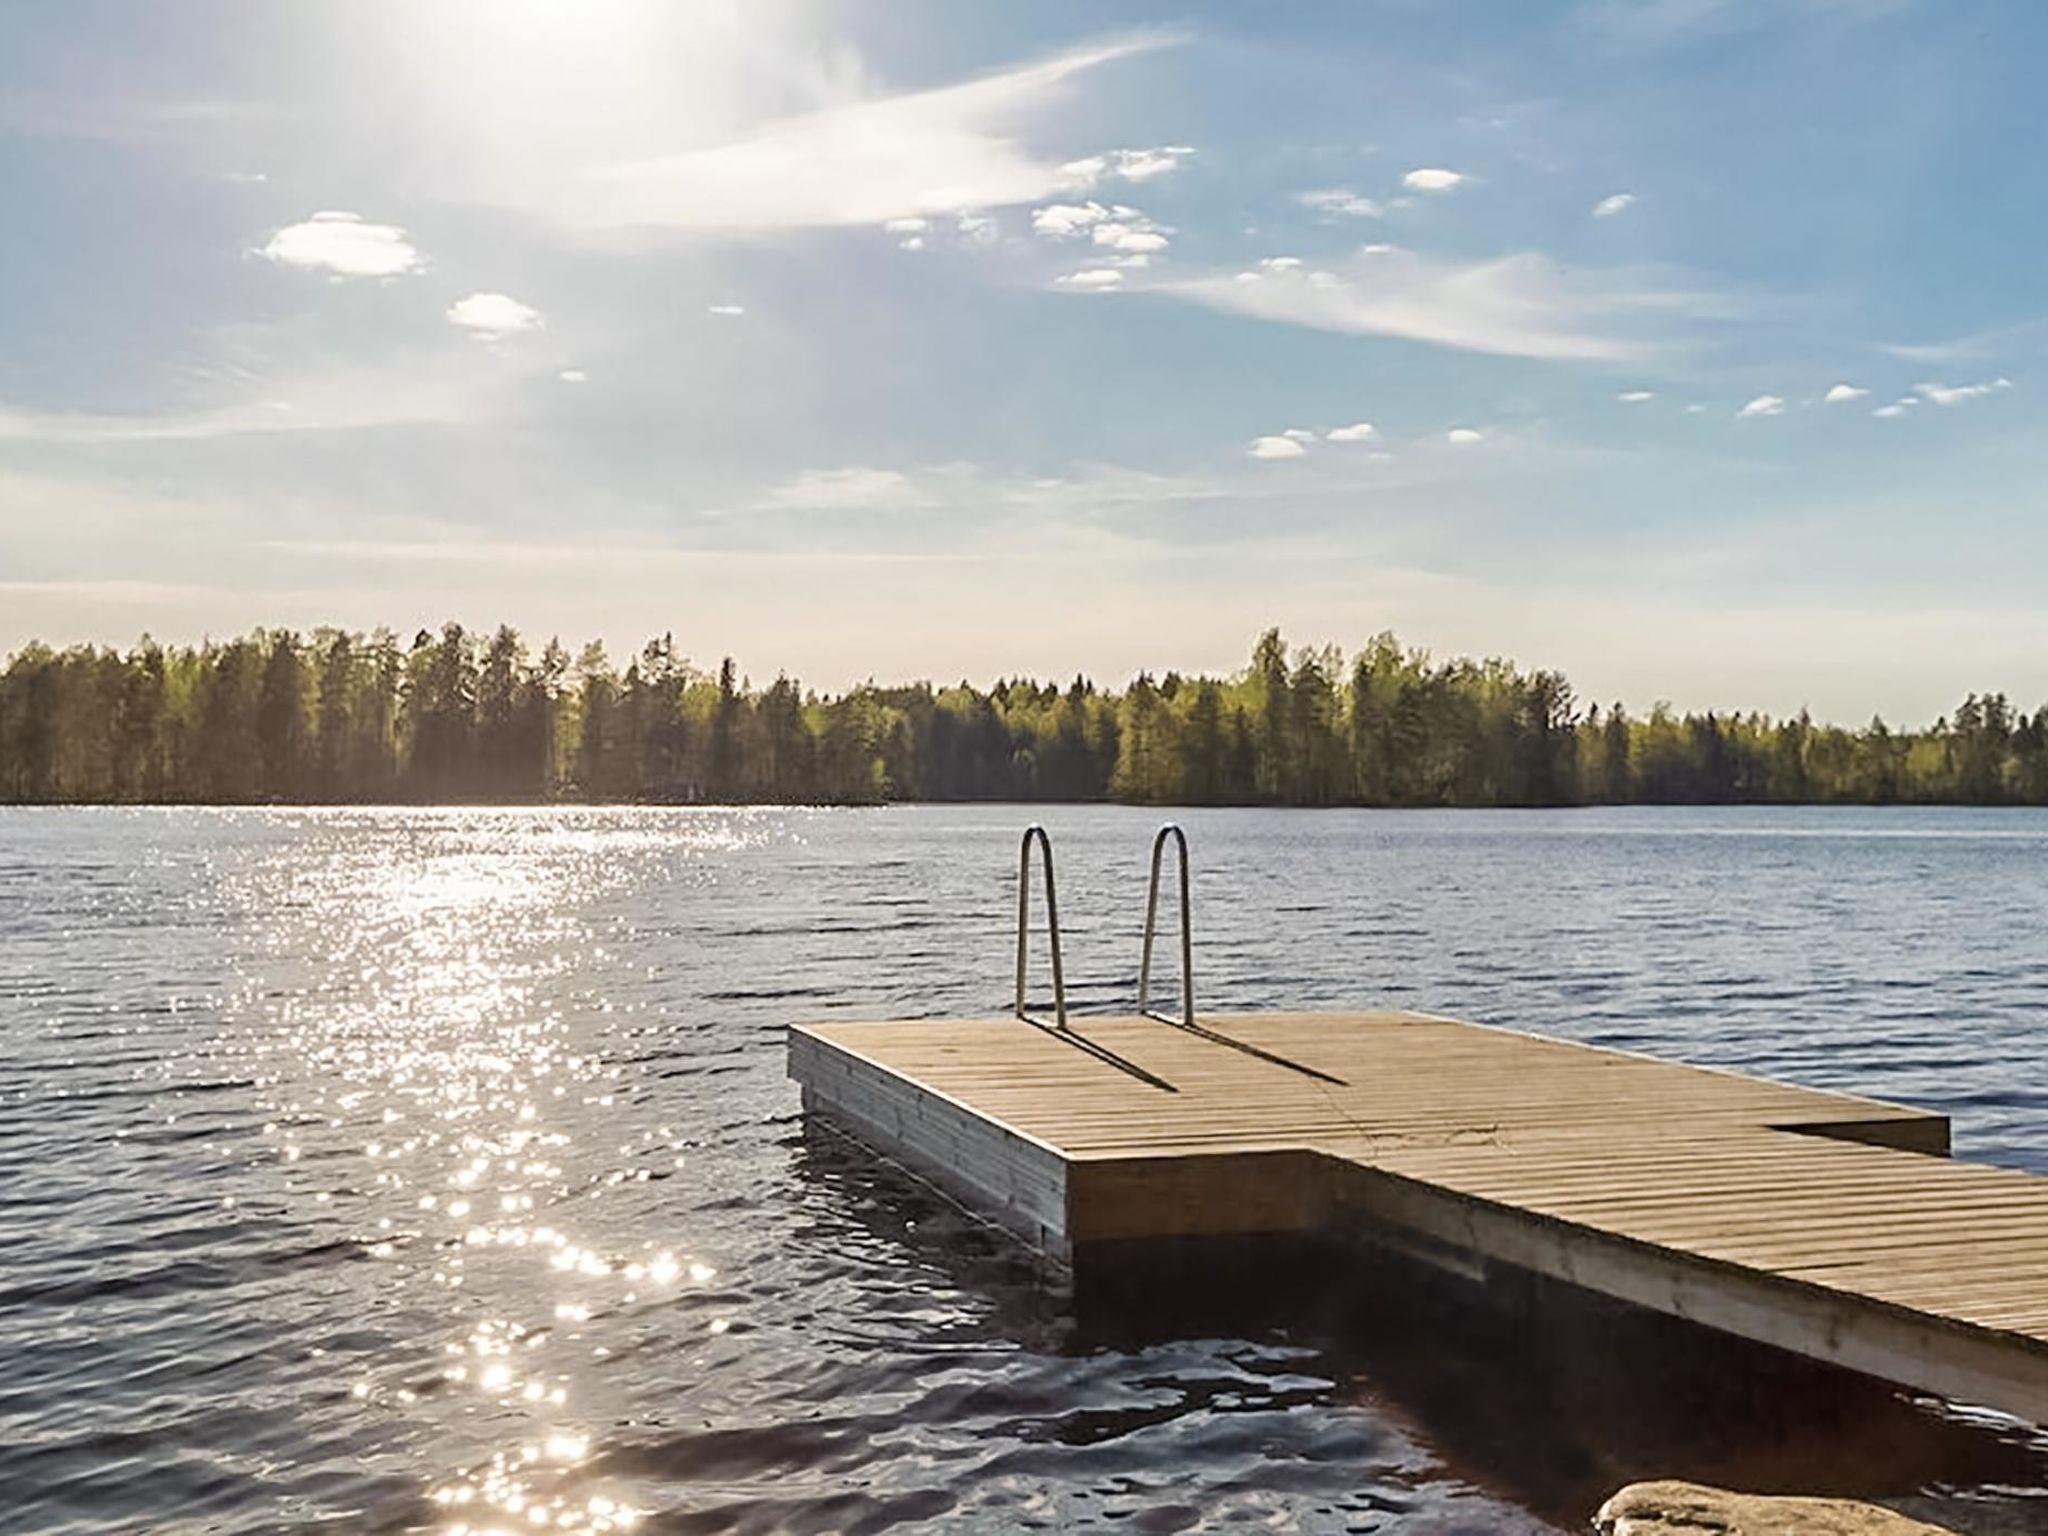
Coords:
pixel 455 1106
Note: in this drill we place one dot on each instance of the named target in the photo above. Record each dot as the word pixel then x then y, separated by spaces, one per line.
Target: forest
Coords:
pixel 460 717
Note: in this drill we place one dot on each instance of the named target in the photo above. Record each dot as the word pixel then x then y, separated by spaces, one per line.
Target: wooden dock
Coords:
pixel 1826 1224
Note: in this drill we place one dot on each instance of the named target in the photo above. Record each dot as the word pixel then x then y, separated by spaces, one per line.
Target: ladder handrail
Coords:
pixel 1052 920
pixel 1187 945
pixel 1059 1029
pixel 1187 966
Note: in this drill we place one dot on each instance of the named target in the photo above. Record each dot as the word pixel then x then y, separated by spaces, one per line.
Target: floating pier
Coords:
pixel 1822 1223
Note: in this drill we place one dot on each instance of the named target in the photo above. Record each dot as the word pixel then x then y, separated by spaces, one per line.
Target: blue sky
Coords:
pixel 1691 346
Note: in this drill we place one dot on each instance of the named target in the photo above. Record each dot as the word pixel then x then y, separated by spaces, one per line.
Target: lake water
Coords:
pixel 397 1170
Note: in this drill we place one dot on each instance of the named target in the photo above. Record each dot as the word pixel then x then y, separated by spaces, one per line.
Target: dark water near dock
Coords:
pixel 401 1170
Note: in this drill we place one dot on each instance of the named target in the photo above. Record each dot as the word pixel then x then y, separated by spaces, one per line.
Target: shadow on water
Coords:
pixel 1541 1394
pixel 1552 1396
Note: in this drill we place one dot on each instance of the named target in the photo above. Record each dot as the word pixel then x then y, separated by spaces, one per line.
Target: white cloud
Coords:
pixel 1515 306
pixel 1432 179
pixel 910 231
pixel 1764 405
pixel 1281 446
pixel 1299 434
pixel 343 244
pixel 1958 394
pixel 1062 221
pixel 1127 164
pixel 728 310
pixel 1897 407
pixel 948 150
pixel 1113 226
pixel 492 316
pixel 1136 235
pixel 1144 164
pixel 1090 280
pixel 976 228
pixel 1636 396
pixel 1358 432
pixel 1464 437
pixel 573 376
pixel 1608 207
pixel 1842 394
pixel 856 486
pixel 1339 202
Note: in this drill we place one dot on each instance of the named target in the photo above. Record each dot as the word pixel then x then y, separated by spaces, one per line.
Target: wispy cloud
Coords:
pixel 343 245
pixel 1514 306
pixel 426 391
pixel 945 150
pixel 1608 207
pixel 856 486
pixel 1342 203
pixel 1636 396
pixel 1842 394
pixel 1764 405
pixel 1090 280
pixel 1959 394
pixel 1088 488
pixel 1978 347
pixel 1654 24
pixel 132 118
pixel 1358 432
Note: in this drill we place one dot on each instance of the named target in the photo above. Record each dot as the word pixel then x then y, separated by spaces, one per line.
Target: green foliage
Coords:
pixel 340 717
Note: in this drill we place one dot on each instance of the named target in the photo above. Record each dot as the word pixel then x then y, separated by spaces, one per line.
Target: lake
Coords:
pixel 435 1169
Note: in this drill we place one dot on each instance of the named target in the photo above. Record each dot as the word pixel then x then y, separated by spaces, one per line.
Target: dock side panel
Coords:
pixel 996 1173
pixel 1931 1352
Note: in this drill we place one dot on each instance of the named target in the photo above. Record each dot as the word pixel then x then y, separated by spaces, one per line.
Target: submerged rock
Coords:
pixel 1692 1509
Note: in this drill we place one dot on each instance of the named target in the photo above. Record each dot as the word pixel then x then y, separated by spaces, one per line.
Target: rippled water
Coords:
pixel 404 1170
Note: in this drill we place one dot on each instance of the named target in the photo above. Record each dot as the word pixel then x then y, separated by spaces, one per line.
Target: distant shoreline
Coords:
pixel 342 718
pixel 1025 806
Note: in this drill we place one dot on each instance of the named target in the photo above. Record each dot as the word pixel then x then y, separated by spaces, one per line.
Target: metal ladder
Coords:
pixel 1059 1027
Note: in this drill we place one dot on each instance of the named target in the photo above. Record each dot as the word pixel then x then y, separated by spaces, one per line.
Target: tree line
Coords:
pixel 454 716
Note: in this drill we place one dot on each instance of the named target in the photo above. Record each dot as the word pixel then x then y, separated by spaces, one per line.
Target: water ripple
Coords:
pixel 435 1170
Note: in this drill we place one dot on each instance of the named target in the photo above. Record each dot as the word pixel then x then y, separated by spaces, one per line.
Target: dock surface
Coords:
pixel 1820 1222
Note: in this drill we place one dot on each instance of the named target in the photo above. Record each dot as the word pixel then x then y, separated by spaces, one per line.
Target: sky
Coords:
pixel 1693 347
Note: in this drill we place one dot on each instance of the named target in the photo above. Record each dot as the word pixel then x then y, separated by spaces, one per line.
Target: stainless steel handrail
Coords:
pixel 1059 1029
pixel 1187 964
pixel 1052 922
pixel 1187 943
